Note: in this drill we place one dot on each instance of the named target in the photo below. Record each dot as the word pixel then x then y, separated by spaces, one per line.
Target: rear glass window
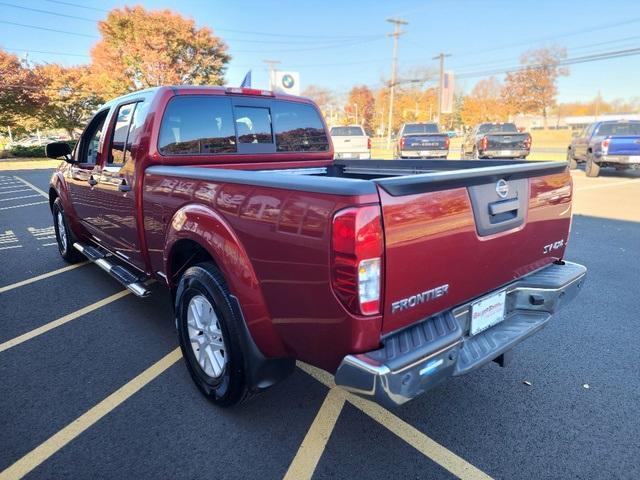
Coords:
pixel 347 132
pixel 120 133
pixel 421 128
pixel 253 125
pixel 497 128
pixel 619 129
pixel 197 125
pixel 298 128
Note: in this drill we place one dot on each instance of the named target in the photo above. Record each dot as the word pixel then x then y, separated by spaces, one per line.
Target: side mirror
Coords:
pixel 57 150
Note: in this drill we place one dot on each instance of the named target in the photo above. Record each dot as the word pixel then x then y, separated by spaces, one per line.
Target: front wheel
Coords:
pixel 209 335
pixel 573 163
pixel 64 236
pixel 591 169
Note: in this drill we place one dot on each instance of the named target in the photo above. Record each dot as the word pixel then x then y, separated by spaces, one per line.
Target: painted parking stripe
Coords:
pixel 61 321
pixel 19 198
pixel 315 441
pixel 414 437
pixel 23 205
pixel 37 278
pixel 57 441
pixel 21 189
pixel 31 185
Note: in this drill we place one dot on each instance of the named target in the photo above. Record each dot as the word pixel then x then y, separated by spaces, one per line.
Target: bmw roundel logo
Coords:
pixel 502 188
pixel 287 81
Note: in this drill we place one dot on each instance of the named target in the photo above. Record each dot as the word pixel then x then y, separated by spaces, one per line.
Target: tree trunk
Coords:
pixel 544 118
pixel 70 132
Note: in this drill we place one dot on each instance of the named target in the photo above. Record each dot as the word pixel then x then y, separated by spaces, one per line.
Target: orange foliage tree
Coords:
pixel 361 103
pixel 141 48
pixel 485 103
pixel 533 88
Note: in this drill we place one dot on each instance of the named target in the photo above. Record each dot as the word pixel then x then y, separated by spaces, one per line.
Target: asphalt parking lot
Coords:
pixel 91 384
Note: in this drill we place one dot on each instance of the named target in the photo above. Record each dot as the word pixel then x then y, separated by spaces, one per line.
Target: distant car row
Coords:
pixel 424 140
pixel 611 143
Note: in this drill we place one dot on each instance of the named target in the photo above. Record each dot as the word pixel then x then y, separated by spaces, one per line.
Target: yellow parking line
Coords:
pixel 57 441
pixel 61 321
pixel 414 437
pixel 40 277
pixel 31 185
pixel 315 441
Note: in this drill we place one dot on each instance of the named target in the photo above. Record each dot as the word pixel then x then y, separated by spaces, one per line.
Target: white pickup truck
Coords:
pixel 350 141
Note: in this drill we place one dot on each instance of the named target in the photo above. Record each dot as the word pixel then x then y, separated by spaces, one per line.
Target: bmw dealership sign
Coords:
pixel 287 82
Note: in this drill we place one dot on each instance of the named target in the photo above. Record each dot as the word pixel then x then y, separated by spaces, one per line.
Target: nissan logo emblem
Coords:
pixel 502 188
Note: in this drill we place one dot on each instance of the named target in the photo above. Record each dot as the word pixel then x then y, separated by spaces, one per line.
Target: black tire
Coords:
pixel 573 163
pixel 66 241
pixel 230 387
pixel 591 169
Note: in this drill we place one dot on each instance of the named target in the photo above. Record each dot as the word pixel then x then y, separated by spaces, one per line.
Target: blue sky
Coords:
pixel 337 44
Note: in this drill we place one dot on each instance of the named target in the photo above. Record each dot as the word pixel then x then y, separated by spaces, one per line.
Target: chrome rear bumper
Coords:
pixel 415 359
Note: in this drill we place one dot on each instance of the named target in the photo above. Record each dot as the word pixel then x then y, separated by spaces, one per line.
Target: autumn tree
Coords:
pixel 70 100
pixel 533 88
pixel 485 103
pixel 322 97
pixel 141 48
pixel 20 92
pixel 361 104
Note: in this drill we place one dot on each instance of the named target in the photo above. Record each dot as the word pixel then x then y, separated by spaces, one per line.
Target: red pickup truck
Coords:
pixel 394 275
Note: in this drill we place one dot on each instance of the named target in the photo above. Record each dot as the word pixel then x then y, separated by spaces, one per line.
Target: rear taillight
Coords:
pixel 527 142
pixel 402 139
pixel 368 143
pixel 484 143
pixel 357 259
pixel 446 143
pixel 605 145
pixel 249 91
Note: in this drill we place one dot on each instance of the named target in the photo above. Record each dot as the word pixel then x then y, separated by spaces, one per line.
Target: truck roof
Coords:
pixel 210 90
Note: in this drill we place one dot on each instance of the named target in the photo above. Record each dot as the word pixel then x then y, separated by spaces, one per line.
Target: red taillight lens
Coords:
pixel 527 142
pixel 368 143
pixel 357 259
pixel 484 143
pixel 605 143
pixel 402 139
pixel 446 142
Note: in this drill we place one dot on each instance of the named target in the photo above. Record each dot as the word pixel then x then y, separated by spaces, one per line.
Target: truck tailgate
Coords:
pixel 349 144
pixel 455 235
pixel 425 141
pixel 624 145
pixel 506 141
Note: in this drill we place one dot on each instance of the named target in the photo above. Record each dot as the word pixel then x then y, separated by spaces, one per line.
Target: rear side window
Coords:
pixel 298 128
pixel 119 146
pixel 347 132
pixel 197 125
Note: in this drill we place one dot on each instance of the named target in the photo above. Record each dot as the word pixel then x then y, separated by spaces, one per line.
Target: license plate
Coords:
pixel 427 153
pixel 634 158
pixel 508 153
pixel 487 311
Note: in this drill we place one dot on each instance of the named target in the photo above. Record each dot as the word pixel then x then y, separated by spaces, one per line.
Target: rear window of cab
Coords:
pixel 206 125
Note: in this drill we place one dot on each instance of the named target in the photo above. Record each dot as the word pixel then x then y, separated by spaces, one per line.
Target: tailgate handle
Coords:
pixel 504 206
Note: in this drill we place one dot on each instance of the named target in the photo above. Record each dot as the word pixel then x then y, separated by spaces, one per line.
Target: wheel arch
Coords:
pixel 197 233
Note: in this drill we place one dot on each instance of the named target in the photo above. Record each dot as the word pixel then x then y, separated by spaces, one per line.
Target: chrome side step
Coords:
pixel 120 273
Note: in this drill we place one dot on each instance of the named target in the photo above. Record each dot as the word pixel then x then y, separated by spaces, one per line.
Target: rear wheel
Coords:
pixel 209 335
pixel 592 169
pixel 573 163
pixel 64 236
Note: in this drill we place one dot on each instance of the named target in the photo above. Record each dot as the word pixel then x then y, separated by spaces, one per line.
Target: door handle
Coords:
pixel 123 187
pixel 92 181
